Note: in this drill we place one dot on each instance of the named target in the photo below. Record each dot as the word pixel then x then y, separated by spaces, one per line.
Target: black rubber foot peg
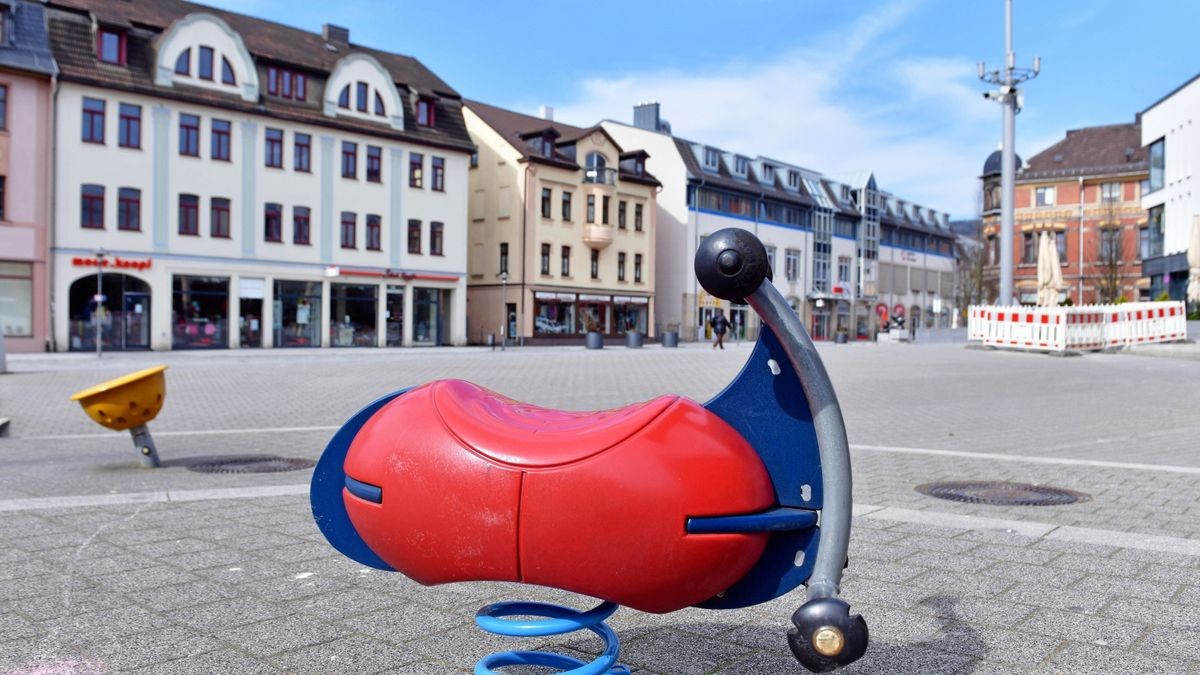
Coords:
pixel 826 636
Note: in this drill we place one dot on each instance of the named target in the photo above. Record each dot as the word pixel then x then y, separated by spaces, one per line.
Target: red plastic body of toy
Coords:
pixel 479 487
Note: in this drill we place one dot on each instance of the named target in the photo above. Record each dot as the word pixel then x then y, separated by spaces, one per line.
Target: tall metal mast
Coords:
pixel 1009 97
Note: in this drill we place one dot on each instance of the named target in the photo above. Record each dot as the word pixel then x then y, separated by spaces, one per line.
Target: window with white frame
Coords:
pixel 791 264
pixel 1044 196
pixel 711 158
pixel 1110 192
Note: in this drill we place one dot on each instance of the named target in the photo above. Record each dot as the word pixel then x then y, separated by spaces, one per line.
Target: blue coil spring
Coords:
pixel 556 620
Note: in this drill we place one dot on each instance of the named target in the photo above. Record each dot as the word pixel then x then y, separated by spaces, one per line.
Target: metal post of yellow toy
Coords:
pixel 129 402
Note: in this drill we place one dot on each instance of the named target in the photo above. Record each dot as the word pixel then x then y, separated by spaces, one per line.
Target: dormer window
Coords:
pixel 379 109
pixel 739 165
pixel 110 46
pixel 287 83
pixel 344 98
pixel 227 76
pixel 845 193
pixel 711 158
pixel 425 112
pixel 361 90
pixel 183 64
pixel 794 180
pixel 768 173
pixel 205 64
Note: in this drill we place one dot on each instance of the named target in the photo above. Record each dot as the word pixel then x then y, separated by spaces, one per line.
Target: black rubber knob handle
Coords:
pixel 826 636
pixel 731 264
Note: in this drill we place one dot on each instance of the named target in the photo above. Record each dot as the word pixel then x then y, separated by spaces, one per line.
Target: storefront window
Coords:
pixel 16 299
pixel 124 313
pixel 297 313
pixel 554 316
pixel 395 316
pixel 250 300
pixel 199 312
pixel 593 316
pixel 352 314
pixel 631 316
pixel 427 326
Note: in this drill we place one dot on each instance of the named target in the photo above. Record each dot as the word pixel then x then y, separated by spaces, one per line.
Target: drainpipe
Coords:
pixel 1080 302
pixel 524 255
pixel 50 213
pixel 687 263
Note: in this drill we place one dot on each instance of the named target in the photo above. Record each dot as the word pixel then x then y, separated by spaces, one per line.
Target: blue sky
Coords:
pixel 838 87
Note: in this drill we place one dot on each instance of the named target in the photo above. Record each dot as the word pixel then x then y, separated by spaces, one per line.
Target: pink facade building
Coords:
pixel 26 68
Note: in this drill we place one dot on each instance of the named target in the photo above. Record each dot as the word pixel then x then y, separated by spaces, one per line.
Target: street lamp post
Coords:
pixel 100 253
pixel 1007 78
pixel 504 304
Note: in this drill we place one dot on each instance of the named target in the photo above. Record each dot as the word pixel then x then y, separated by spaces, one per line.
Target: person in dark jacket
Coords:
pixel 719 325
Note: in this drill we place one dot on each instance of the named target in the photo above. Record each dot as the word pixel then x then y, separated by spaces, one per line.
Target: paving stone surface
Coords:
pixel 246 584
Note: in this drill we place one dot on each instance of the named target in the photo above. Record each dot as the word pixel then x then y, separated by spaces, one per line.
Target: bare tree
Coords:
pixel 1106 270
pixel 970 256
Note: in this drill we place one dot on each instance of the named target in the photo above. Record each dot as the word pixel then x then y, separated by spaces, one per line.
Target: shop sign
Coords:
pixel 898 310
pixel 908 256
pixel 569 297
pixel 706 300
pixel 630 300
pixel 138 264
pixel 881 309
pixel 594 298
pixel 543 295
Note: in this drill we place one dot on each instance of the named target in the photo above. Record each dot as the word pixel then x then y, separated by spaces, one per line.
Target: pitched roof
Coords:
pixel 29 49
pixel 71 40
pixel 1091 151
pixel 723 178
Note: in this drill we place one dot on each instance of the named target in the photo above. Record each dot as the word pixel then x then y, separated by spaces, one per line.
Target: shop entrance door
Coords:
pixel 395 316
pixel 426 317
pixel 136 333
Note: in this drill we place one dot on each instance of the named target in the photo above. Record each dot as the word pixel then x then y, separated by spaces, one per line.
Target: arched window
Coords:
pixel 596 160
pixel 344 97
pixel 379 110
pixel 183 64
pixel 597 171
pixel 227 76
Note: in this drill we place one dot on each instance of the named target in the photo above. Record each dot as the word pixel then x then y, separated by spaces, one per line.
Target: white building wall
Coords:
pixel 162 174
pixel 1174 119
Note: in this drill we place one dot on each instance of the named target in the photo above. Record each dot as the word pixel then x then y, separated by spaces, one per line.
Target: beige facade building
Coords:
pixel 562 230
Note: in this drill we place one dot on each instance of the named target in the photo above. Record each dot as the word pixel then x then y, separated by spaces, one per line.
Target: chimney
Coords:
pixel 333 33
pixel 546 112
pixel 645 116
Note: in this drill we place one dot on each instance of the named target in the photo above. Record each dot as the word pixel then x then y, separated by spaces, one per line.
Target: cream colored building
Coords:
pixel 562 230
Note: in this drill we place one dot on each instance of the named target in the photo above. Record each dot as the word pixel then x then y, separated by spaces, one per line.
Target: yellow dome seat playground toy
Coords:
pixel 128 402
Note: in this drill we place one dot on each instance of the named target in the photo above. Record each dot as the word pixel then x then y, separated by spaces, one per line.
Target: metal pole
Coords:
pixel 504 302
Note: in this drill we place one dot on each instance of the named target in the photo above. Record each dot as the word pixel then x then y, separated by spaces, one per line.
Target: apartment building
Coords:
pixel 26 71
pixel 240 183
pixel 562 233
pixel 1086 192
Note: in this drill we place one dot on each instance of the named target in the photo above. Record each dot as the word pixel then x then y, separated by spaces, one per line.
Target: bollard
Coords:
pixel 633 340
pixel 491 341
pixel 670 339
pixel 128 403
pixel 594 340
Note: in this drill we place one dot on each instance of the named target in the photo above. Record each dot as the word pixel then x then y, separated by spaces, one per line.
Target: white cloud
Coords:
pixel 920 124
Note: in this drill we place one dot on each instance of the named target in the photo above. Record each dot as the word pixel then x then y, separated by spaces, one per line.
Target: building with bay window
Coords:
pixel 562 233
pixel 26 69
pixel 250 184
pixel 1171 199
pixel 828 239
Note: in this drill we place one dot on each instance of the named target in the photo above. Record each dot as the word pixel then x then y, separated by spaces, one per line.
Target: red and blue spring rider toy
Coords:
pixel 660 505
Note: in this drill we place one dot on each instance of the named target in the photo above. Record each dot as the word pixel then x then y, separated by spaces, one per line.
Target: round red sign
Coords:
pixel 898 310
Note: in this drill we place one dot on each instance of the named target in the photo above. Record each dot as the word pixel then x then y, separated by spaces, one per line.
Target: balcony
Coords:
pixel 597 236
pixel 600 176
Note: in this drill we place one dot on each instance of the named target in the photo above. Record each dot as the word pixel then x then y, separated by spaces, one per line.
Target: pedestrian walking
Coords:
pixel 719 325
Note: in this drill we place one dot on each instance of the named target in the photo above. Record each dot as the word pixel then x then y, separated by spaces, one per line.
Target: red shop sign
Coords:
pixel 881 309
pixel 898 310
pixel 139 265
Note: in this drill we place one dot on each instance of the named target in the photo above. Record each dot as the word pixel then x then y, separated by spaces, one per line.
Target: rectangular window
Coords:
pixel 621 214
pixel 637 217
pixel 93 120
pixel 591 208
pixel 414 236
pixel 1110 192
pixel 604 209
pixel 221 130
pixel 436 234
pixel 16 288
pixel 302 156
pixel 1060 243
pixel 1158 165
pixel 566 206
pixel 374 232
pixel 425 112
pixel 273 154
pixel 637 268
pixel 504 258
pixel 547 197
pixel 349 229
pixel 595 264
pixel 361 91
pixel 205 64
pixel 566 261
pixel 286 83
pixel 218 217
pixel 711 157
pixel 1110 246
pixel 110 46
pixel 843 269
pixel 1152 234
pixel 272 222
pixel 546 259
pixel 1028 248
pixel 771 259
pixel 3 107
pixel 621 266
pixel 791 264
pixel 129 209
pixel 300 225
pixel 416 165
pixel 189 135
pixel 1045 196
pixel 189 214
pixel 374 164
pixel 349 159
pixel 129 133
pixel 438 168
pixel 91 214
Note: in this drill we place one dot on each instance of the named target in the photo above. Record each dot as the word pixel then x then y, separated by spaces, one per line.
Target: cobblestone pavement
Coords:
pixel 217 573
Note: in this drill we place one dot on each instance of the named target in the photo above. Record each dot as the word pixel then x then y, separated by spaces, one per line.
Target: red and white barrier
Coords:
pixel 1087 327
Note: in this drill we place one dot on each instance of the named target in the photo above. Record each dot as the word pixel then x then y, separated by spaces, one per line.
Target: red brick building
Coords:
pixel 1086 191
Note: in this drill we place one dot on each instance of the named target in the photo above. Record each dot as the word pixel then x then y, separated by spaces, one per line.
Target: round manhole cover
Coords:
pixel 263 464
pixel 1001 493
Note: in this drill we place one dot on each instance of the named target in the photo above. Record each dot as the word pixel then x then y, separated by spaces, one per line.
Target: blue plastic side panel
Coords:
pixel 771 413
pixel 329 479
